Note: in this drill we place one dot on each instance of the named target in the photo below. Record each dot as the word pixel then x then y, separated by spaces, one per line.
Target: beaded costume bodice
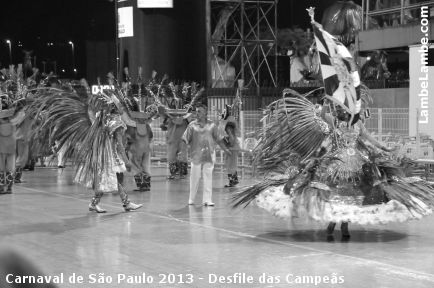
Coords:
pixel 346 159
pixel 347 136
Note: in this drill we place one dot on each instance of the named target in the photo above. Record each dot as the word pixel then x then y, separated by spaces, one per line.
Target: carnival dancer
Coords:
pixel 93 134
pixel 229 123
pixel 232 144
pixel 23 128
pixel 139 140
pixel 23 132
pixel 343 20
pixel 175 125
pixel 24 158
pixel 344 174
pixel 7 149
pixel 10 94
pixel 137 113
pixel 118 163
pixel 176 148
pixel 139 135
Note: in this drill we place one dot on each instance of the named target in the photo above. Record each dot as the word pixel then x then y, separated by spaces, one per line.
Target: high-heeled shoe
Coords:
pixel 96 208
pixel 132 206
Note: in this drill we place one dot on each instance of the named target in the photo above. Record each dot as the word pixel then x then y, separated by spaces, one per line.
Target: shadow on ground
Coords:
pixel 365 236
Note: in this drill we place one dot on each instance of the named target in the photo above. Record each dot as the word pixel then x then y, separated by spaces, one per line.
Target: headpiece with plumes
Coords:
pixel 172 98
pixel 197 96
pixel 13 89
pixel 343 19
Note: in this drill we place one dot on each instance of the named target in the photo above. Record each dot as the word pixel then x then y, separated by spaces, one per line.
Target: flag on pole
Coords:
pixel 336 69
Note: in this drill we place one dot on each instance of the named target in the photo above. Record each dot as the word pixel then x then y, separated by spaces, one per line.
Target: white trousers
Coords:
pixel 195 174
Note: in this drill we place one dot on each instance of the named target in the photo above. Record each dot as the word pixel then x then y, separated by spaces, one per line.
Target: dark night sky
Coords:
pixel 293 12
pixel 38 22
pixel 56 19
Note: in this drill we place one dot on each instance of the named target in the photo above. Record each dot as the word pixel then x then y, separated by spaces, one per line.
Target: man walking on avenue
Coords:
pixel 202 135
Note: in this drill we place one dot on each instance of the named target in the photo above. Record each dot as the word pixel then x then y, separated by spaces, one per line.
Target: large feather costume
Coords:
pixel 85 131
pixel 331 172
pixel 321 163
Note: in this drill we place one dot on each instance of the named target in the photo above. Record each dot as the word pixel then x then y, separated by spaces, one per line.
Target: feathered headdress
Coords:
pixel 134 104
pixel 13 91
pixel 343 19
pixel 187 99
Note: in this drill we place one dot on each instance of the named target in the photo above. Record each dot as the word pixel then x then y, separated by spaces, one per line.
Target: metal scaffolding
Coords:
pixel 242 42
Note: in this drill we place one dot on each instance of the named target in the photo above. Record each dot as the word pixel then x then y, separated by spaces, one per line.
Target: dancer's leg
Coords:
pixel 127 204
pixel 94 203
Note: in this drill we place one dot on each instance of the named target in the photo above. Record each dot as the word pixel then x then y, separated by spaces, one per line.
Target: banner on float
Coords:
pixel 125 22
pixel 421 90
pixel 155 3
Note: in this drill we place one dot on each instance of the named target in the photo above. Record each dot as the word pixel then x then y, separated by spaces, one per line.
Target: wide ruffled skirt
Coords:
pixel 403 200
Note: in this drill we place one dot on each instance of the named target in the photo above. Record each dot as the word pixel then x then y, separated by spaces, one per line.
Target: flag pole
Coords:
pixel 311 12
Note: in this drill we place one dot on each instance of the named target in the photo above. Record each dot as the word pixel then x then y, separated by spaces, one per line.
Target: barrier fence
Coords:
pixel 388 122
pixel 389 125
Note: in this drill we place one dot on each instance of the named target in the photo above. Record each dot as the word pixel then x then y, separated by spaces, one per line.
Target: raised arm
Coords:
pixel 127 120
